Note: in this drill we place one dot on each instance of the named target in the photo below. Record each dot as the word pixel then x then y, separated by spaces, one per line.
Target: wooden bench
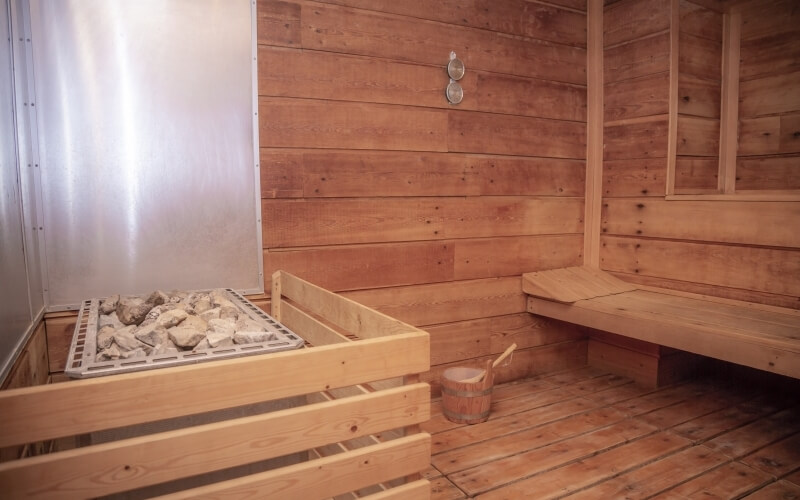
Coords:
pixel 754 335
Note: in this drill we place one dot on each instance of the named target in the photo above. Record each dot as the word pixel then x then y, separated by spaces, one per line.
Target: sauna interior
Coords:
pixel 617 192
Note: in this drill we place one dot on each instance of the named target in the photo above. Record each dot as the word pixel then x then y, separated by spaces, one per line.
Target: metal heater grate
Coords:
pixel 81 360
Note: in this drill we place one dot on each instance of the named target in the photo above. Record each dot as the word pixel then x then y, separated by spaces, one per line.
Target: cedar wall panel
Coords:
pixel 374 186
pixel 769 97
pixel 636 95
pixel 742 250
pixel 699 97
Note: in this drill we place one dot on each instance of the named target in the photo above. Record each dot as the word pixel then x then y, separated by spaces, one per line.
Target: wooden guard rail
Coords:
pixel 359 428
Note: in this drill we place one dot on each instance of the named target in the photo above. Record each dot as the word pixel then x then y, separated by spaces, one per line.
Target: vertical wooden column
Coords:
pixel 594 133
pixel 729 116
pixel 672 131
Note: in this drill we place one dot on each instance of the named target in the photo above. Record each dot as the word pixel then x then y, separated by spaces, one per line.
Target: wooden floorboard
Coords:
pixel 588 434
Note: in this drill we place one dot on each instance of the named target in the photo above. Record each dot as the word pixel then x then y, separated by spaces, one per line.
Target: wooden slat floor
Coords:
pixel 592 435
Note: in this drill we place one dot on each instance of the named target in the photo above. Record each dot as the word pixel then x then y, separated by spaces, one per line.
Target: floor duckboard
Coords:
pixel 588 434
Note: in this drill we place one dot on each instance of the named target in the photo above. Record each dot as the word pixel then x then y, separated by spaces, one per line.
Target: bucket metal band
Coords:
pixel 466 394
pixel 464 416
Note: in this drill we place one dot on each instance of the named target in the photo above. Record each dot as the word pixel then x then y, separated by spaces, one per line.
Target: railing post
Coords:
pixel 276 296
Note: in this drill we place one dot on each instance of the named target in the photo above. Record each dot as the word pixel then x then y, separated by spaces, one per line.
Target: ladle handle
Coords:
pixel 503 356
pixel 477 378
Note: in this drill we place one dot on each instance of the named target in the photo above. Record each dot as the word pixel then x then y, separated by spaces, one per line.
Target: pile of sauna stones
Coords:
pixel 167 323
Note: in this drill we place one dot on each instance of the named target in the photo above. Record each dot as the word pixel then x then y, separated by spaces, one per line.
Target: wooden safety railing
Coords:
pixel 357 431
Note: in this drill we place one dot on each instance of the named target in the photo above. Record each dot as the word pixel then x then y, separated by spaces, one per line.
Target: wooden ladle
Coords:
pixel 479 377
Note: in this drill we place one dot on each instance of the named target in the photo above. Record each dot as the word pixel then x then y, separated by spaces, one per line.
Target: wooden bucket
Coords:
pixel 466 403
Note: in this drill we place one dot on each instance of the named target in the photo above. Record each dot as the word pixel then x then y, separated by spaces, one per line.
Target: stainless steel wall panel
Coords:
pixel 15 312
pixel 27 160
pixel 145 128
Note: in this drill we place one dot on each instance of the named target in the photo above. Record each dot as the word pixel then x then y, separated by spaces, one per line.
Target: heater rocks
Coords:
pixel 129 333
pixel 165 323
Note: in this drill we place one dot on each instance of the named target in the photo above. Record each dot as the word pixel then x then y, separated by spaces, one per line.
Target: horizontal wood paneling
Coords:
pixel 646 139
pixel 516 255
pixel 639 177
pixel 323 174
pixel 631 19
pixel 314 74
pixel 286 72
pixel 760 19
pixel 641 57
pixel 328 124
pixel 439 303
pixel 698 97
pixel 700 21
pixel 770 135
pixel 751 268
pixel 696 173
pixel 474 132
pixel 645 96
pixel 698 136
pixel 331 222
pixel 760 136
pixel 374 185
pixel 355 267
pixel 278 23
pixel 465 340
pixel 356 31
pixel 366 266
pixel 768 173
pixel 769 55
pixel 770 95
pixel 700 57
pixel 750 223
pixel 526 96
pixel 514 17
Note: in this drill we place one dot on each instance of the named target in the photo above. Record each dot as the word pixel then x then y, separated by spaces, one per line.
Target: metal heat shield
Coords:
pixel 147 144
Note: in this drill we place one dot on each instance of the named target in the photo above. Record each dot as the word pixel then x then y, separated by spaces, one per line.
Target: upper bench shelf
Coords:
pixel 763 337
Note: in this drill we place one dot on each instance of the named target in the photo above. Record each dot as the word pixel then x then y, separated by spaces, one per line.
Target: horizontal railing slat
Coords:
pixel 418 490
pixel 346 313
pixel 51 411
pixel 134 463
pixel 328 476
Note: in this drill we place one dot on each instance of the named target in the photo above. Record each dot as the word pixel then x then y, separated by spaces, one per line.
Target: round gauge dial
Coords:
pixel 455 68
pixel 454 93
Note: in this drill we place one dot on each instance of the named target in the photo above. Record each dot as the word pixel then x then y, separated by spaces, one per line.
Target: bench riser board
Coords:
pixel 777 357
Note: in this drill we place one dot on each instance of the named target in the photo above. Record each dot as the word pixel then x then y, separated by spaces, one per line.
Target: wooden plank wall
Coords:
pixel 699 91
pixel 735 249
pixel 375 186
pixel 769 97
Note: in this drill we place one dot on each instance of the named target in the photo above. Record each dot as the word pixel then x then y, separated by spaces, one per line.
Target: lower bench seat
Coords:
pixel 754 335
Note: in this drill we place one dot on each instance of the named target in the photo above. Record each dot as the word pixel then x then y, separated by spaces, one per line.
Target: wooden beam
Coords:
pixel 729 116
pixel 594 134
pixel 101 470
pixel 672 133
pixel 328 476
